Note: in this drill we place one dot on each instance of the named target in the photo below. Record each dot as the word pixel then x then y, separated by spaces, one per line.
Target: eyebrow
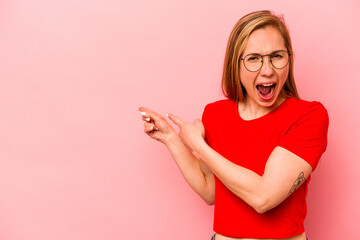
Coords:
pixel 265 54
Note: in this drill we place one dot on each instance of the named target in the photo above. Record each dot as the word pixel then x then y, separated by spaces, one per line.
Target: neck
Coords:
pixel 249 110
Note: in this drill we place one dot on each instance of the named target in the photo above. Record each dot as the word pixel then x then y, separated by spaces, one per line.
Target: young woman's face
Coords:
pixel 263 86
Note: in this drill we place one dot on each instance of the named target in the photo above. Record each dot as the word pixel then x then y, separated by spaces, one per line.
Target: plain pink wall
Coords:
pixel 74 161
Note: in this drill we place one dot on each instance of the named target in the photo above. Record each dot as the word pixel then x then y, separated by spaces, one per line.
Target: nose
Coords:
pixel 267 68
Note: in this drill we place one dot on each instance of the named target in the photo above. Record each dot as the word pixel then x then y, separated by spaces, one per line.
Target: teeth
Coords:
pixel 267 85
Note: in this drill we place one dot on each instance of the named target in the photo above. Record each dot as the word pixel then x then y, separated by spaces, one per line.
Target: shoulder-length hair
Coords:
pixel 231 84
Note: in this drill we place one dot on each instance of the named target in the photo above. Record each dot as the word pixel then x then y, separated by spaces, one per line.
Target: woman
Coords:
pixel 258 147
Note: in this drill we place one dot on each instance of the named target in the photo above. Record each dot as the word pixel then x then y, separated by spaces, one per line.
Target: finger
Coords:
pixel 146 118
pixel 155 135
pixel 149 127
pixel 148 113
pixel 150 124
pixel 175 119
pixel 197 121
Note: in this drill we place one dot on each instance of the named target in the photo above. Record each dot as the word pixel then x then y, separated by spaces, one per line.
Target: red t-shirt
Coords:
pixel 296 125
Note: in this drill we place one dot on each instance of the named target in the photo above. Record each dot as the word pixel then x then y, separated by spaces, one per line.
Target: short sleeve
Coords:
pixel 307 136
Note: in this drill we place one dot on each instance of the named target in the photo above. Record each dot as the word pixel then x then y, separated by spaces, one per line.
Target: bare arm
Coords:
pixel 284 171
pixel 195 171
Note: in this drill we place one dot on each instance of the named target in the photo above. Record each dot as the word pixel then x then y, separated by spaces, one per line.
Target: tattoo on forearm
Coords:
pixel 297 183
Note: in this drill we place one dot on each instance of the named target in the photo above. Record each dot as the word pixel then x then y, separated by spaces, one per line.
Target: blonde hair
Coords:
pixel 231 84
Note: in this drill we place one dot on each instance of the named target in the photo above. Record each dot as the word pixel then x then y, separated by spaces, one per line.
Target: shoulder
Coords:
pixel 306 129
pixel 223 104
pixel 307 117
pixel 221 109
pixel 302 108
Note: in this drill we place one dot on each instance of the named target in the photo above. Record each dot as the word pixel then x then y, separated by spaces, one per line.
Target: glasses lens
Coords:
pixel 280 59
pixel 253 62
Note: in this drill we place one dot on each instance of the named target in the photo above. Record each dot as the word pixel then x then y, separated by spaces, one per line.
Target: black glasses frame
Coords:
pixel 262 60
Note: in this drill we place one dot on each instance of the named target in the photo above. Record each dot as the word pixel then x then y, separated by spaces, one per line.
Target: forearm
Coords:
pixel 243 182
pixel 284 171
pixel 190 168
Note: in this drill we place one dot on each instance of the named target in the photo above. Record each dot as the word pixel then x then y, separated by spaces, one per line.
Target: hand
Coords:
pixel 192 135
pixel 156 126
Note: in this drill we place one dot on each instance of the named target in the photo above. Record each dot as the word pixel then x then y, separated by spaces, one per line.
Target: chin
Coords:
pixel 267 104
pixel 269 101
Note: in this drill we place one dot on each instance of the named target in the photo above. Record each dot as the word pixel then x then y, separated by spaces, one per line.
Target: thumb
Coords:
pixel 175 120
pixel 197 121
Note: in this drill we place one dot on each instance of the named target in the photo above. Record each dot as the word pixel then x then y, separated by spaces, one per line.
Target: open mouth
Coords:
pixel 266 90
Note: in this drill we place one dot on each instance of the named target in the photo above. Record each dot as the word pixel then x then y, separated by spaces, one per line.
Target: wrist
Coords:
pixel 171 138
pixel 200 148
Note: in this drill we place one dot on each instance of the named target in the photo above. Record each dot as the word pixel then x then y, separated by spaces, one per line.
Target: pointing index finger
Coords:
pixel 148 114
pixel 175 119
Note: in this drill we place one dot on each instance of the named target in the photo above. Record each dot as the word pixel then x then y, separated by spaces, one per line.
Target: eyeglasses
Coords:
pixel 278 59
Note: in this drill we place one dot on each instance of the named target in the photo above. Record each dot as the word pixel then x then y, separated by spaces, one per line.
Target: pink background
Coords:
pixel 74 161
